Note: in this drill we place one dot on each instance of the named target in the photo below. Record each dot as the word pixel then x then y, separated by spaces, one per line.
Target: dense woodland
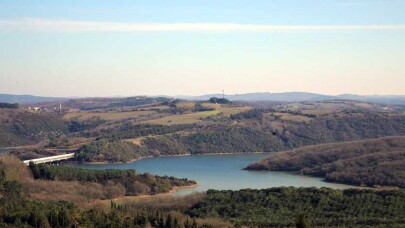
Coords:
pixel 18 210
pixel 121 182
pixel 8 105
pixel 114 152
pixel 18 127
pixel 256 136
pixel 275 207
pixel 285 206
pixel 370 162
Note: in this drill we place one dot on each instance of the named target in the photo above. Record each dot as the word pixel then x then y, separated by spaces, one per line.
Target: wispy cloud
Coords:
pixel 35 24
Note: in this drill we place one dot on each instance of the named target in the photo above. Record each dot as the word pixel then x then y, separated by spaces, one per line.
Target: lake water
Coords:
pixel 2 150
pixel 221 172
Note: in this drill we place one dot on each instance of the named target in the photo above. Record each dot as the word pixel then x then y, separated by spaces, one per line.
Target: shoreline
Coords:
pixel 175 155
pixel 170 193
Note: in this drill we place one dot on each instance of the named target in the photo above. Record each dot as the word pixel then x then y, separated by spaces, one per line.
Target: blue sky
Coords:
pixel 107 48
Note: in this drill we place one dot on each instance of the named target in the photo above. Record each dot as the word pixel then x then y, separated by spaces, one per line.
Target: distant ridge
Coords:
pixel 301 96
pixel 262 96
pixel 27 99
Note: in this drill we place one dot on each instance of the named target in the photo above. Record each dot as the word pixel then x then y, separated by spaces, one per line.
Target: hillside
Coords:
pixel 301 96
pixel 124 129
pixel 64 196
pixel 369 162
pixel 21 127
pixel 304 207
pixel 27 99
pixel 187 127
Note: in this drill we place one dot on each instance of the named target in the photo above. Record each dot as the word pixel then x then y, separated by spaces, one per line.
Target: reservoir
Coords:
pixel 221 172
pixel 4 150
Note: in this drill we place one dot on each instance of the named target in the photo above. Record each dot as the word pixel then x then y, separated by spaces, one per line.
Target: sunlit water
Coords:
pixel 221 172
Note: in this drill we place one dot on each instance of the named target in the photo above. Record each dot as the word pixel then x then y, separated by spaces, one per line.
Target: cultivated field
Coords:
pixel 196 117
pixel 109 116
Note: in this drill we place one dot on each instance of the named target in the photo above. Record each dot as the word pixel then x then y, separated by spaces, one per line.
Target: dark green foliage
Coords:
pixel 109 103
pixel 350 126
pixel 8 105
pixel 366 162
pixel 216 100
pixel 255 135
pixel 302 221
pixel 225 138
pixel 22 128
pixel 200 108
pixel 133 131
pixel 232 139
pixel 76 125
pixel 70 173
pixel 104 151
pixel 131 183
pixel 286 206
pixel 137 101
pixel 251 114
pixel 16 210
pixel 165 146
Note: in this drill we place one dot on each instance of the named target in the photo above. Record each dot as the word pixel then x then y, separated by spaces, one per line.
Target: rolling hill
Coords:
pixel 370 162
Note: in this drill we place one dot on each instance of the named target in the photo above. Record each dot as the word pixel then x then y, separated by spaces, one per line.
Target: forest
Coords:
pixel 124 182
pixel 372 162
pixel 256 136
pixel 286 206
pixel 274 207
pixel 9 105
pixel 17 210
pixel 19 127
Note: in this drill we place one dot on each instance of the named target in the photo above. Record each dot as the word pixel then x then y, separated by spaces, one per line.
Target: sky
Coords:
pixel 193 47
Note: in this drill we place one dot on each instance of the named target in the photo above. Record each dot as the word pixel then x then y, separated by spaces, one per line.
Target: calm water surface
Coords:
pixel 4 150
pixel 221 172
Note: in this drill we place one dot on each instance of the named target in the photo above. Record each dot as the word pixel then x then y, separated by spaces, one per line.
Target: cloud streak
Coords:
pixel 47 25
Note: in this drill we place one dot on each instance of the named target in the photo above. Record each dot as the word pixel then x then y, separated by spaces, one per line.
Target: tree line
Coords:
pixel 118 182
pixel 370 162
pixel 289 207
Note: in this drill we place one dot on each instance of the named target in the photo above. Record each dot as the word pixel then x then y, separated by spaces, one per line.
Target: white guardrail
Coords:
pixel 50 159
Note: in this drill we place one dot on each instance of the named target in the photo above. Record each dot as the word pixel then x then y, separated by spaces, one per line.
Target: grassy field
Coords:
pixel 188 105
pixel 139 140
pixel 160 107
pixel 317 112
pixel 210 105
pixel 291 117
pixel 189 118
pixel 109 116
pixel 196 117
pixel 227 111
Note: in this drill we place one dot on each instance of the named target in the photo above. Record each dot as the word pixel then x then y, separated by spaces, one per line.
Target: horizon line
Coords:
pixel 57 25
pixel 206 94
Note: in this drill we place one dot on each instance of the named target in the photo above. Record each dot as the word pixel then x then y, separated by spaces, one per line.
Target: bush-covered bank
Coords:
pixel 369 162
pixel 255 135
pixel 121 182
pixel 287 206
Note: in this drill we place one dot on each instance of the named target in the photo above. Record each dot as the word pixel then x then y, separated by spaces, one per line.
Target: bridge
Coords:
pixel 50 159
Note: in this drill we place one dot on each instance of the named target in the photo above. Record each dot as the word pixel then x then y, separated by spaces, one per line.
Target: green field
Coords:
pixel 292 117
pixel 109 116
pixel 189 118
pixel 196 117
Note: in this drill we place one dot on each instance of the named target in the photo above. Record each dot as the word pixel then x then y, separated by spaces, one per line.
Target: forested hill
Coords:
pixel 121 130
pixel 21 127
pixel 263 132
pixel 369 162
pixel 305 207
